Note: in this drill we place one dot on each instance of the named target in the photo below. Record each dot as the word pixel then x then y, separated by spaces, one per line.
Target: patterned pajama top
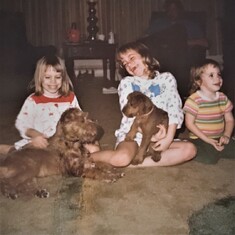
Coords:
pixel 162 90
pixel 42 114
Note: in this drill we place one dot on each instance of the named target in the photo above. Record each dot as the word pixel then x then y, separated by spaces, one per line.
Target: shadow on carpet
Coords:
pixel 217 218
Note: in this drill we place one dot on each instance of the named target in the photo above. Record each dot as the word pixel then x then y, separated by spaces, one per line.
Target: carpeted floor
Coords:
pixel 152 201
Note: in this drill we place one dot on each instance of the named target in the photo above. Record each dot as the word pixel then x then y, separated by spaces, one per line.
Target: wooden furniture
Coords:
pixel 90 50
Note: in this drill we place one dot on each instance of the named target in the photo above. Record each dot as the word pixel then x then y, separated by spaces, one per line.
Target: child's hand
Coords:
pixel 216 144
pixel 224 140
pixel 39 141
pixel 162 144
pixel 160 134
pixel 92 148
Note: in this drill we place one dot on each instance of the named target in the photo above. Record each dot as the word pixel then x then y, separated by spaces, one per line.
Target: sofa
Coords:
pixel 169 47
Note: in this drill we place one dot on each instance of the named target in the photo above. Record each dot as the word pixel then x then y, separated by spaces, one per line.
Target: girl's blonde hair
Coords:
pixel 58 64
pixel 144 52
pixel 196 72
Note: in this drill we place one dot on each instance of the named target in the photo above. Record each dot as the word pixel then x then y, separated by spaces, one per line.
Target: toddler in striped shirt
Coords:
pixel 208 114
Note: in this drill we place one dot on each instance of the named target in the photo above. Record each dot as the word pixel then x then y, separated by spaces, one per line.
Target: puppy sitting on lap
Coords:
pixel 148 120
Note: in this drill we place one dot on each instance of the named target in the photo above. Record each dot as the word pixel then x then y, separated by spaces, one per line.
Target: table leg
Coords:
pixel 69 63
pixel 105 61
pixel 112 68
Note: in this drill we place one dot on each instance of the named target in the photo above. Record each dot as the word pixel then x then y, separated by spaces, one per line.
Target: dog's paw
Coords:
pixel 113 176
pixel 9 191
pixel 137 161
pixel 12 196
pixel 139 158
pixel 89 164
pixel 42 193
pixel 109 174
pixel 156 157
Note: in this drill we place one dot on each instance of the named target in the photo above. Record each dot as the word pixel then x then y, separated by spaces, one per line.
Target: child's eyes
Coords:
pixel 214 75
pixel 57 77
pixel 132 58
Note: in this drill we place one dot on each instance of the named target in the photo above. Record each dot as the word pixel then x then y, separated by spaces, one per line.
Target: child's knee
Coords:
pixel 190 150
pixel 121 159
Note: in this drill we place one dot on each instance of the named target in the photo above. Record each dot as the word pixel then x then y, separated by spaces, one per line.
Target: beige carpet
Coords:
pixel 151 201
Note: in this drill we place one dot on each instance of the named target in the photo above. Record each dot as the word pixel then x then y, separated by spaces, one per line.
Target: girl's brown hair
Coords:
pixel 58 64
pixel 197 70
pixel 144 52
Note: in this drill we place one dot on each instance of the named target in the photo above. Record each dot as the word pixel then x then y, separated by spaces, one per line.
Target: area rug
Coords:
pixel 217 218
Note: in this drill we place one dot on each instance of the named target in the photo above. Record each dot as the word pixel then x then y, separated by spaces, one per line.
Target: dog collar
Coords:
pixel 146 114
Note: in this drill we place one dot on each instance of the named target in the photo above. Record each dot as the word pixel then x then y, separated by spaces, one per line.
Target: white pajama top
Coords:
pixel 162 90
pixel 42 114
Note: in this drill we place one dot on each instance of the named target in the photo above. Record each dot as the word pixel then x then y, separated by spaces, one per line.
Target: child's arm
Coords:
pixel 190 124
pixel 229 125
pixel 38 140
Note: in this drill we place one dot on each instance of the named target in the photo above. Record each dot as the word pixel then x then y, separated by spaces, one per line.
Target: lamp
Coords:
pixel 92 20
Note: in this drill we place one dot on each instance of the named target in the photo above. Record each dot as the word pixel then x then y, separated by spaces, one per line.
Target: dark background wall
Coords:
pixel 228 42
pixel 48 20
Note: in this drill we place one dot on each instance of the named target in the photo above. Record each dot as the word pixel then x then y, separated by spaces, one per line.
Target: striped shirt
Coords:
pixel 209 115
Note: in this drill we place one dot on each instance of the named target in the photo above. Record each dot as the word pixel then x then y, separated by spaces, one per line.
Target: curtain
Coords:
pixel 47 21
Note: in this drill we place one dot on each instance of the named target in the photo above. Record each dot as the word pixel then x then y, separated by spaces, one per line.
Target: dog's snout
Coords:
pixel 127 111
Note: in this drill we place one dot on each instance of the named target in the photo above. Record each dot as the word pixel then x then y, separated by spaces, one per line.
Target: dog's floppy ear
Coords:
pixel 66 114
pixel 148 105
pixel 71 114
pixel 144 103
pixel 64 117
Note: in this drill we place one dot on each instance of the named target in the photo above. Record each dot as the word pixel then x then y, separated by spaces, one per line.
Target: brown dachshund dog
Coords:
pixel 147 120
pixel 65 155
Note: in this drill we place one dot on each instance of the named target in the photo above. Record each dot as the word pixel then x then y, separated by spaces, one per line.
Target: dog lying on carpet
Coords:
pixel 148 119
pixel 65 155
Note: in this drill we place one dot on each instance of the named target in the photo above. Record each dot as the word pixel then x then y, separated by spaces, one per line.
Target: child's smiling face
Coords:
pixel 133 63
pixel 51 82
pixel 211 79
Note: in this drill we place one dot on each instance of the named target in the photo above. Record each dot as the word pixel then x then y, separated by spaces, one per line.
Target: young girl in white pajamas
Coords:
pixel 161 88
pixel 41 111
